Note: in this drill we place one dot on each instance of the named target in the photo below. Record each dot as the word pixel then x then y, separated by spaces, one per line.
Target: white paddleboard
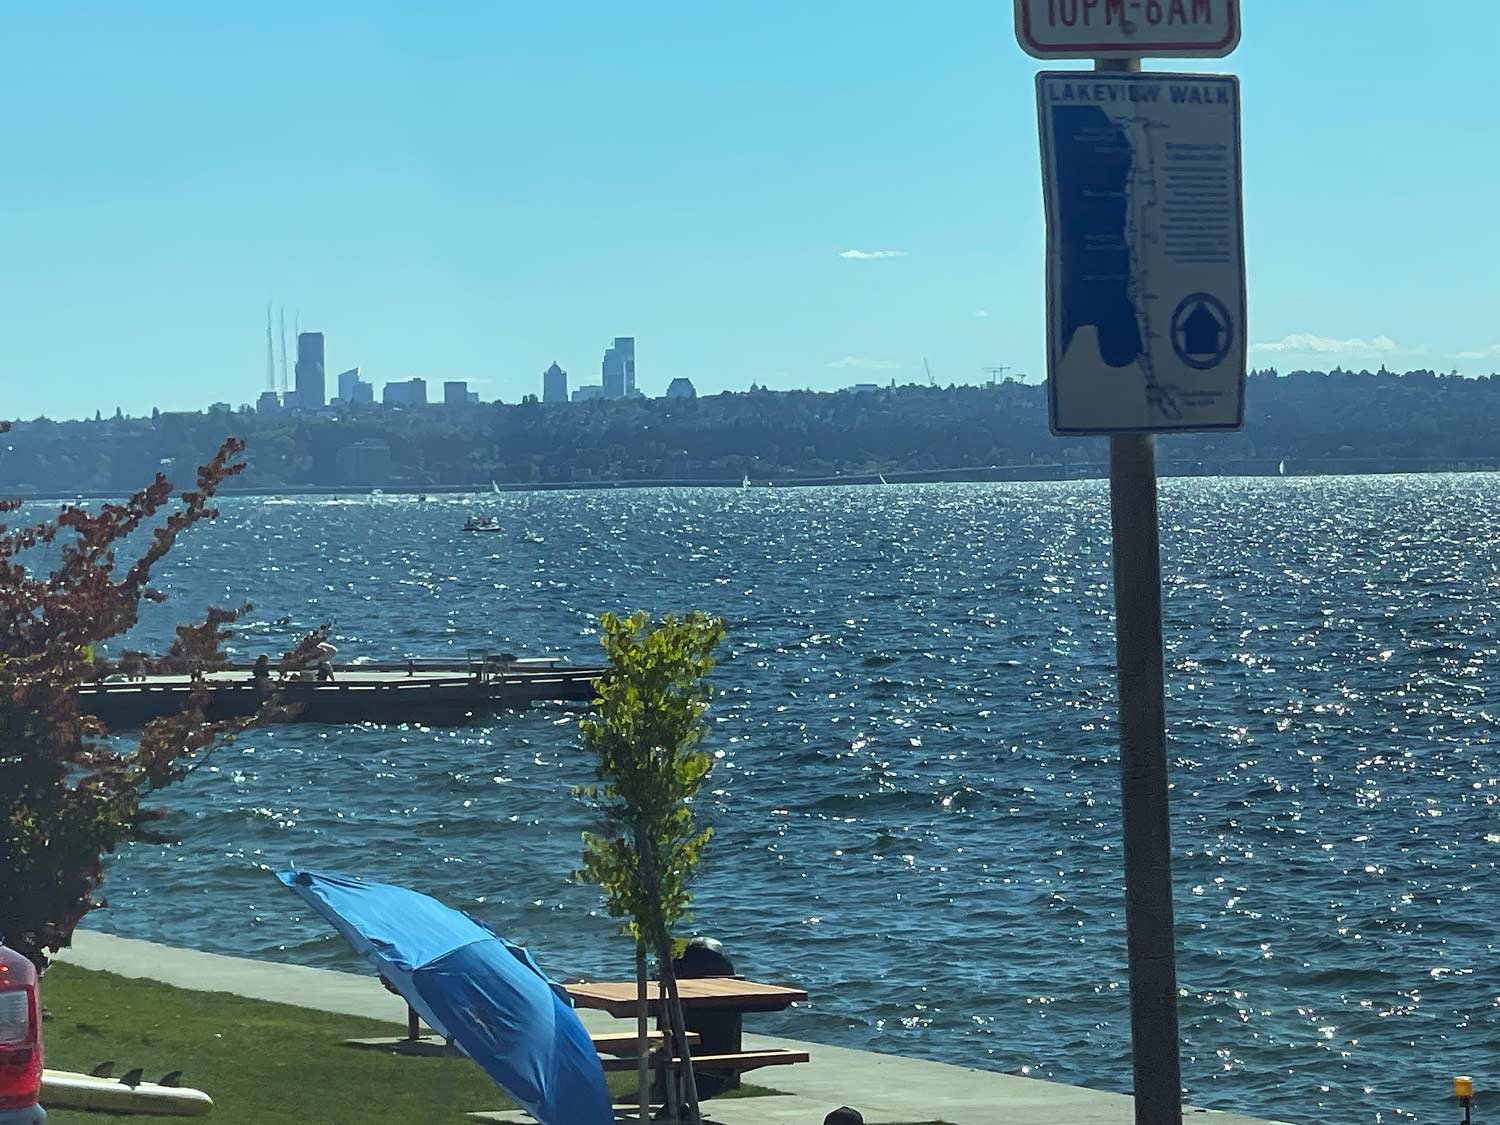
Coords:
pixel 63 1089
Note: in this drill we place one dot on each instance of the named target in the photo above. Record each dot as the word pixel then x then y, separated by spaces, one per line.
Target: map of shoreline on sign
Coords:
pixel 1145 251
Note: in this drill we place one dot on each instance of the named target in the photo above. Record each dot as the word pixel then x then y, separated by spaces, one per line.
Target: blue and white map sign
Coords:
pixel 1145 251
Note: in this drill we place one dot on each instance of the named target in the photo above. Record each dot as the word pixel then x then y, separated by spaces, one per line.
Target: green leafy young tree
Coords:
pixel 646 733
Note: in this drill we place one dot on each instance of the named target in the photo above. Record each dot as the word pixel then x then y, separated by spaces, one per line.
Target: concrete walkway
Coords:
pixel 885 1088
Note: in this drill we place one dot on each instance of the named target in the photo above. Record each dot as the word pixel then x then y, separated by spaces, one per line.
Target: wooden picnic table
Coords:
pixel 717 999
pixel 729 994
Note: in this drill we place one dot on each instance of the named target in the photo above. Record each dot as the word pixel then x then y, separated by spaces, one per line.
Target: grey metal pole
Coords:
pixel 1149 939
pixel 1143 781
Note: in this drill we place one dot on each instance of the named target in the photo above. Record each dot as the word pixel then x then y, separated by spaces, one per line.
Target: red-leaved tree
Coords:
pixel 69 792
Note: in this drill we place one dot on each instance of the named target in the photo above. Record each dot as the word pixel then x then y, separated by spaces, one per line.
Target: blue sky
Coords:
pixel 474 190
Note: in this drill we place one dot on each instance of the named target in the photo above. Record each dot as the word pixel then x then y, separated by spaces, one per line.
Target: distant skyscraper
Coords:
pixel 268 403
pixel 618 370
pixel 554 384
pixel 412 392
pixel 625 345
pixel 455 393
pixel 364 393
pixel 681 388
pixel 312 392
pixel 348 382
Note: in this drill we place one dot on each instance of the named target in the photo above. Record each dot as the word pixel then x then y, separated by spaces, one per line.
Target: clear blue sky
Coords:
pixel 473 190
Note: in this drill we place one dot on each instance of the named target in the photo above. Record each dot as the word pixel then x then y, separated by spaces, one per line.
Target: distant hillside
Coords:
pixel 1313 421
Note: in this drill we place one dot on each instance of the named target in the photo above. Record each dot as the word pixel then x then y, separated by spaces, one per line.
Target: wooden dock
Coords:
pixel 416 691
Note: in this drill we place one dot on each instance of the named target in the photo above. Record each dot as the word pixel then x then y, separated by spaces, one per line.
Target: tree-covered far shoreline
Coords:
pixel 1314 422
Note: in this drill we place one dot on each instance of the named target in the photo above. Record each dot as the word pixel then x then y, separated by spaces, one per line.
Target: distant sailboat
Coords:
pixel 496 487
pixel 1281 469
pixel 882 479
pixel 745 483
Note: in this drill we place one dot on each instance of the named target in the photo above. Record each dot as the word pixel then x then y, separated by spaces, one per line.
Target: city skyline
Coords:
pixel 309 392
pixel 823 198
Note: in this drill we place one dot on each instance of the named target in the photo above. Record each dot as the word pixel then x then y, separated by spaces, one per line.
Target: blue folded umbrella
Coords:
pixel 473 987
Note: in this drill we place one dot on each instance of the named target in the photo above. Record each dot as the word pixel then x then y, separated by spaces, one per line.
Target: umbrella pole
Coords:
pixel 642 1033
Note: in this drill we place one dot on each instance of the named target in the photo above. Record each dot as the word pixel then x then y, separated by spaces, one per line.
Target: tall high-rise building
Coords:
pixel 354 391
pixel 618 370
pixel 312 391
pixel 554 384
pixel 625 345
pixel 455 393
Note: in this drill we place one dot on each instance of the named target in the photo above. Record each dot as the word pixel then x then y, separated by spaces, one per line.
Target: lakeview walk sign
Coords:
pixel 1145 251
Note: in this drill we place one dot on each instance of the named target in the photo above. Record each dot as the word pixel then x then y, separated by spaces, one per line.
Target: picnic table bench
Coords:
pixel 731 995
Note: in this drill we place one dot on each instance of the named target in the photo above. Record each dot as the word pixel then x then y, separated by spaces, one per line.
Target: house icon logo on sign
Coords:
pixel 1202 331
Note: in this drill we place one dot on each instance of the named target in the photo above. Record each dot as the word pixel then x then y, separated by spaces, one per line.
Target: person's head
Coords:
pixel 844 1116
pixel 262 661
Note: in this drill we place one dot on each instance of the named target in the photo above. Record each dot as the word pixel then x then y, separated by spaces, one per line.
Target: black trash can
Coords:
pixel 719 1031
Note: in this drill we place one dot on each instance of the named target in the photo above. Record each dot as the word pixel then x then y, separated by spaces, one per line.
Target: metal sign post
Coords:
pixel 1143 781
pixel 1145 335
pixel 1150 942
pixel 1149 938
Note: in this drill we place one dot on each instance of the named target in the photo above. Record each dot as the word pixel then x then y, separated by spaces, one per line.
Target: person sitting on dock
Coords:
pixel 261 673
pixel 325 672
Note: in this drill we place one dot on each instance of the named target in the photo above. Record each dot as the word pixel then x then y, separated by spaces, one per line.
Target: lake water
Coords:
pixel 916 808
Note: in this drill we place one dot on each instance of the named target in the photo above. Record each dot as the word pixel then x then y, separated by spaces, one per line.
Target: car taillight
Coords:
pixel 20 1032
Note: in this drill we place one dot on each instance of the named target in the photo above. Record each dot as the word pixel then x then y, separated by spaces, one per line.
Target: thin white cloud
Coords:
pixel 1308 343
pixel 860 363
pixel 870 255
pixel 980 314
pixel 1491 352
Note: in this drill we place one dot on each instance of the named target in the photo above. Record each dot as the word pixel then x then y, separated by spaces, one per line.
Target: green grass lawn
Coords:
pixel 260 1062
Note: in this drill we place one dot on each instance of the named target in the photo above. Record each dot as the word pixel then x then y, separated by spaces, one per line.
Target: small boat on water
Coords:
pixel 482 523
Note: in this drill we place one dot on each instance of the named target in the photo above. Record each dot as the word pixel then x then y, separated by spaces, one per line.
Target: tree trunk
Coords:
pixel 672 1003
pixel 669 1075
pixel 642 1031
